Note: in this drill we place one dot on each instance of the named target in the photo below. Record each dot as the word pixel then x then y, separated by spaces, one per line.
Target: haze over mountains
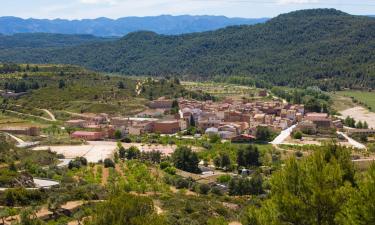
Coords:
pixel 105 27
pixel 322 47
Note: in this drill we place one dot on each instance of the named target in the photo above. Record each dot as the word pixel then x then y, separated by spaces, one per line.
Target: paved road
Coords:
pixel 353 142
pixel 283 135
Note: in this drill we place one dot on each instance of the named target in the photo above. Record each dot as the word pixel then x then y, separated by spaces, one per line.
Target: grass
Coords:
pixel 222 90
pixel 365 98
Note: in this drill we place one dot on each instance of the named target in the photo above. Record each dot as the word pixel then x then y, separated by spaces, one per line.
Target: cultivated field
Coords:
pixel 222 90
pixel 367 99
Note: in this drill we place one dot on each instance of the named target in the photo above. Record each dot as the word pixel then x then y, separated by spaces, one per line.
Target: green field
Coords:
pixel 364 98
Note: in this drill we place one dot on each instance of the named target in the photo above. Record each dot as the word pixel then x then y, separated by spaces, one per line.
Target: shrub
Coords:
pixel 109 163
pixel 164 165
pixel 204 189
pixel 170 170
pixel 297 135
pixel 224 179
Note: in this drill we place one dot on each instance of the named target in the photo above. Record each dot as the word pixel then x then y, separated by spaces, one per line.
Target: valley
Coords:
pixel 265 124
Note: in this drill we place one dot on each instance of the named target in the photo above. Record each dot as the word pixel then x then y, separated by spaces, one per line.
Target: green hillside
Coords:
pixel 74 89
pixel 323 47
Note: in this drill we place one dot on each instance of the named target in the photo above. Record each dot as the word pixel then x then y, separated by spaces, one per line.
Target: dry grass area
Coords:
pixel 360 114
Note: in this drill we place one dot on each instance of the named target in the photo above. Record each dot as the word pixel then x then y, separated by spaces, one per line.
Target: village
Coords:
pixel 230 119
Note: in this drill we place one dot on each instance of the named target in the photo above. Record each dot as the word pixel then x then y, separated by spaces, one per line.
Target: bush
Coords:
pixel 224 179
pixel 170 170
pixel 204 189
pixel 109 163
pixel 164 165
pixel 299 154
pixel 216 191
pixel 182 183
pixel 77 163
pixel 297 135
pixel 127 140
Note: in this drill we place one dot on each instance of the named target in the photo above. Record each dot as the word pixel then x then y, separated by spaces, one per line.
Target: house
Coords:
pixel 211 122
pixel 243 138
pixel 166 127
pixel 77 123
pixel 211 131
pixel 227 134
pixel 161 104
pixel 321 120
pixel 259 118
pixel 22 130
pixel 366 132
pixel 119 121
pixel 235 116
pixel 88 135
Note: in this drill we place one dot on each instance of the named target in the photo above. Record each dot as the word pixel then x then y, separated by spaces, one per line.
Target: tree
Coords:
pixel 132 153
pixel 248 156
pixel 126 209
pixel 359 125
pixel 121 152
pixel 192 121
pixel 121 85
pixel 365 125
pixel 359 210
pixel 62 84
pixel 109 163
pixel 246 185
pixel 118 134
pixel 310 191
pixel 185 159
pixel 263 133
pixel 297 135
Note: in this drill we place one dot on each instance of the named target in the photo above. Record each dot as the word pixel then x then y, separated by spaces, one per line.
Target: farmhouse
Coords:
pixel 88 135
pixel 29 131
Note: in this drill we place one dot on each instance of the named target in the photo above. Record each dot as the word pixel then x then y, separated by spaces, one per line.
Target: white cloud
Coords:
pixel 286 2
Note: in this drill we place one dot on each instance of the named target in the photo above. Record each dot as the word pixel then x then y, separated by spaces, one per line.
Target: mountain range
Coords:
pixel 319 47
pixel 106 27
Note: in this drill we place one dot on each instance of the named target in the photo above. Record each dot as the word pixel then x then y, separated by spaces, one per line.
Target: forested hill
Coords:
pixel 323 47
pixel 44 40
pixel 106 27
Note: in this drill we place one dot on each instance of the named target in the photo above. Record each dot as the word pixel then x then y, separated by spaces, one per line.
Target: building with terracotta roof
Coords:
pixel 88 135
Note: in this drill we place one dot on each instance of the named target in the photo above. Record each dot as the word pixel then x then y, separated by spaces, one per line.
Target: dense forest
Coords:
pixel 44 40
pixel 319 47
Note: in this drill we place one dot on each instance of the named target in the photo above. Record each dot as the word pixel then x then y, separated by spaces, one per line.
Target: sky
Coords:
pixel 87 9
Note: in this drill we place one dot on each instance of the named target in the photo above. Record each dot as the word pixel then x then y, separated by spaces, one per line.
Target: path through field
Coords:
pixel 53 118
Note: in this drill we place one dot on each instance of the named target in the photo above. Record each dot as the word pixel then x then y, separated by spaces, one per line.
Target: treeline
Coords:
pixel 299 49
pixel 312 97
pixel 21 86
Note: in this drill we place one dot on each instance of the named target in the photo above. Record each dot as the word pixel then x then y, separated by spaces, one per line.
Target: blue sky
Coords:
pixel 78 9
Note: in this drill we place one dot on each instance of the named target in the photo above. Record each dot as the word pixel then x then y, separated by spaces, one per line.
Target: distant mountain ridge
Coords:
pixel 320 47
pixel 104 27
